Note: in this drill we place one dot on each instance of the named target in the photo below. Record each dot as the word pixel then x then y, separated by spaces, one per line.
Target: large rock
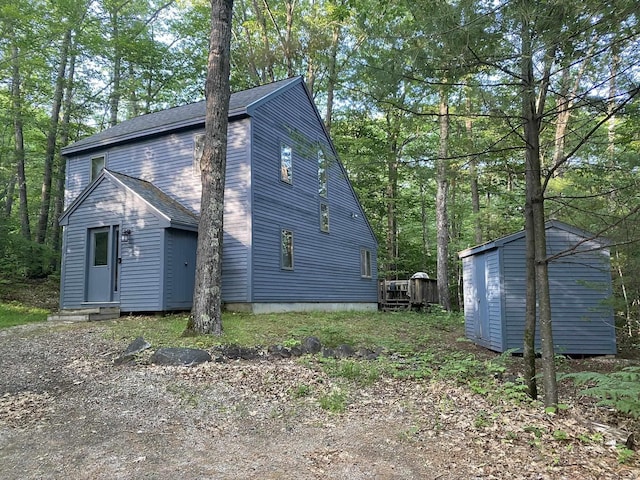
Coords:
pixel 180 356
pixel 311 345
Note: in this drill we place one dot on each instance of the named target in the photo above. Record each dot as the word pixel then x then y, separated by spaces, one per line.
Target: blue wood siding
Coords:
pixel 493 291
pixel 167 162
pixel 326 265
pixel 579 284
pixel 483 299
pixel 141 267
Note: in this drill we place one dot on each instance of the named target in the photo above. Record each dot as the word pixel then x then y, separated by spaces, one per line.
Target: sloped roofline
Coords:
pixel 187 220
pixel 520 234
pixel 241 104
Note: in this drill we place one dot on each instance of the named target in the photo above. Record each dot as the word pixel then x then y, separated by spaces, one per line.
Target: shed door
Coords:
pixel 102 268
pixel 482 305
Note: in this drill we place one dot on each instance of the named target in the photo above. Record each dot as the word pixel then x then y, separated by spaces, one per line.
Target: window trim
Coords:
pixel 365 263
pixel 324 207
pixel 93 176
pixel 323 175
pixel 289 179
pixel 283 232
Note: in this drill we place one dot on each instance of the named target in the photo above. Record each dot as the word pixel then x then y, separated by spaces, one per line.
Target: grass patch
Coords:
pixel 12 314
pixel 398 332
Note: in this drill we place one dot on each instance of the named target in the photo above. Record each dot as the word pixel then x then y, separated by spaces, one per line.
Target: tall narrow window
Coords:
pixel 286 164
pixel 198 148
pixel 287 250
pixel 322 173
pixel 324 217
pixel 97 164
pixel 100 248
pixel 365 263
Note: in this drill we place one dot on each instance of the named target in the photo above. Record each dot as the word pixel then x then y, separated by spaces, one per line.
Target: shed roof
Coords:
pixel 520 234
pixel 172 212
pixel 240 104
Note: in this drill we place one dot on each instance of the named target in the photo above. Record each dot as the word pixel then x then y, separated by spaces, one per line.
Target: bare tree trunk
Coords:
pixel 529 345
pixel 532 109
pixel 268 74
pixel 16 104
pixel 473 176
pixel 114 98
pixel 11 190
pixel 45 199
pixel 206 316
pixel 442 218
pixel 58 205
pixel 332 76
pixel 392 196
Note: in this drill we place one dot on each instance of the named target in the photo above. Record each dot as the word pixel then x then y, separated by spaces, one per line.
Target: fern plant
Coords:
pixel 620 390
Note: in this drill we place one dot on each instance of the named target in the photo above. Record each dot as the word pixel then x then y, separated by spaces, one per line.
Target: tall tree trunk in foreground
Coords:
pixel 532 108
pixel 206 316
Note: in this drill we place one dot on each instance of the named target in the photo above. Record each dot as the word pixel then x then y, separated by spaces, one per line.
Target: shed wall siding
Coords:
pixel 140 270
pixel 494 299
pixel 326 265
pixel 578 283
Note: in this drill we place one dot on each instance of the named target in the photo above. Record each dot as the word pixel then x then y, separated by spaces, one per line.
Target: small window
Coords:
pixel 97 165
pixel 100 248
pixel 324 217
pixel 365 263
pixel 287 249
pixel 322 174
pixel 286 164
pixel 198 149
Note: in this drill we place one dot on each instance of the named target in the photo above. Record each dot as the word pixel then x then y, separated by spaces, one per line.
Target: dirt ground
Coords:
pixel 67 411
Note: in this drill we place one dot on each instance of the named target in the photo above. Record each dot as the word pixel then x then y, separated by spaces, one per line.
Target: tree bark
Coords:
pixel 16 104
pixel 532 108
pixel 58 205
pixel 114 98
pixel 206 316
pixel 332 75
pixel 442 218
pixel 50 152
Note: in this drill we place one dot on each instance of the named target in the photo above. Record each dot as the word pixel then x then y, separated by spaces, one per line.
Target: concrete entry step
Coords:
pixel 85 314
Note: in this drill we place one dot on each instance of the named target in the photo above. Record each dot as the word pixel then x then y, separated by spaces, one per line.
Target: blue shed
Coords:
pixel 494 285
pixel 295 234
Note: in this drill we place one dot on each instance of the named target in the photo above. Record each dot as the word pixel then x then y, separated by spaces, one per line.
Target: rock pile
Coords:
pixel 193 356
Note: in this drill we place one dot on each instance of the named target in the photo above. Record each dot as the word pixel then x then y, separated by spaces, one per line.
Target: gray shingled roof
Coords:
pixel 171 119
pixel 164 204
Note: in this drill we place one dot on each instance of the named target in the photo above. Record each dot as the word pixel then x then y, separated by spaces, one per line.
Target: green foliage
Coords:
pixel 334 401
pixel 362 373
pixel 620 390
pixel 625 455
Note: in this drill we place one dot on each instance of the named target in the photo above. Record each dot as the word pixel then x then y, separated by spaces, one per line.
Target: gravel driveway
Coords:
pixel 67 411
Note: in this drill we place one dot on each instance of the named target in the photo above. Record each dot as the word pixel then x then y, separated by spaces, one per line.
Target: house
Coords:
pixel 494 283
pixel 295 235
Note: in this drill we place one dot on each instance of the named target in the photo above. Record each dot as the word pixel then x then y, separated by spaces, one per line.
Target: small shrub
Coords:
pixel 334 401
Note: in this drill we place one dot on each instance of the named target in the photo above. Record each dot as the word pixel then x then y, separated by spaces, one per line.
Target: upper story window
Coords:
pixel 324 217
pixel 365 263
pixel 198 149
pixel 97 165
pixel 322 173
pixel 286 164
pixel 286 253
